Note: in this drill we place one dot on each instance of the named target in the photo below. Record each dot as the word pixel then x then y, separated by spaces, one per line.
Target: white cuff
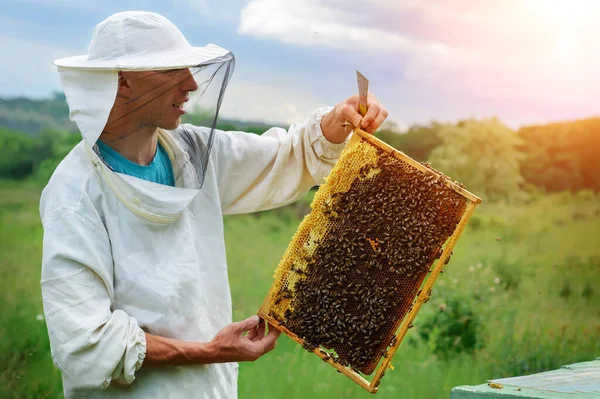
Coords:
pixel 131 362
pixel 142 349
pixel 323 147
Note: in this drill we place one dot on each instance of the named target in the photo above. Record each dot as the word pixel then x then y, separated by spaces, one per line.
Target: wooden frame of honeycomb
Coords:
pixel 359 267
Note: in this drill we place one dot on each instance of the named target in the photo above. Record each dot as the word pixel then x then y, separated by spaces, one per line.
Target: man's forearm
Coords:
pixel 236 342
pixel 162 351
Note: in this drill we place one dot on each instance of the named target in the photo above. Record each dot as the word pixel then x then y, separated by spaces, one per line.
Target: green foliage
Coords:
pixel 557 156
pixel 199 117
pixel 562 156
pixel 205 118
pixel 588 291
pixel 482 155
pixel 25 156
pixel 541 346
pixel 554 157
pixel 60 144
pixel 33 116
pixel 579 273
pixel 417 142
pixel 566 290
pixel 453 327
pixel 18 158
pixel 509 274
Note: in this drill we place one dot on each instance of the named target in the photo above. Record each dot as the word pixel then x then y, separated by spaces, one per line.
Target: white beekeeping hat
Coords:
pixel 139 41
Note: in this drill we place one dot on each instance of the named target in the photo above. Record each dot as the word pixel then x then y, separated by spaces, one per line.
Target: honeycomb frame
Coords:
pixel 277 307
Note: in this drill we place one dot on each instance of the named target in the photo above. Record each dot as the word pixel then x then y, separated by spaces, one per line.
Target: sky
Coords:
pixel 523 61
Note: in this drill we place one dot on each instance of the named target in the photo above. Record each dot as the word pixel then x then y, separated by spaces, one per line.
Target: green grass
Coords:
pixel 527 272
pixel 26 370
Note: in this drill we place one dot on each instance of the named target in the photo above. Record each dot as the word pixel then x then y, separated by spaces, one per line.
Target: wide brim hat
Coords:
pixel 184 58
pixel 126 41
pixel 139 40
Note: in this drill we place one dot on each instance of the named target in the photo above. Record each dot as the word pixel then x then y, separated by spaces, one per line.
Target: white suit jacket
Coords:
pixel 122 255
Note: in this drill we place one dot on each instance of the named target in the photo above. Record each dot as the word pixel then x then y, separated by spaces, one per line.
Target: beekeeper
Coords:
pixel 134 275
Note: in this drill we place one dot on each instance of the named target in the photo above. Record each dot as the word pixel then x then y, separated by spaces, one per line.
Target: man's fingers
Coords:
pixel 374 117
pixel 248 324
pixel 377 122
pixel 260 331
pixel 268 342
pixel 381 117
pixel 372 112
pixel 274 331
pixel 263 343
pixel 252 334
pixel 272 337
pixel 348 113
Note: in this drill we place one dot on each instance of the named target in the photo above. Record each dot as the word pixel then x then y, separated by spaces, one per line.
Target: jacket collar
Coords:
pixel 153 201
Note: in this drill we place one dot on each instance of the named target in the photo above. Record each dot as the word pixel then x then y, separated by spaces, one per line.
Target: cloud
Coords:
pixel 316 23
pixel 531 51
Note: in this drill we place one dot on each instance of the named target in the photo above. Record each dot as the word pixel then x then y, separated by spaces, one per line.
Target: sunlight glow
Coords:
pixel 562 11
pixel 562 20
pixel 566 47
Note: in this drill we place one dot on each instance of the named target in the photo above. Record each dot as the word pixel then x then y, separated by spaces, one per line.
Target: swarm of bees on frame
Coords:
pixel 349 293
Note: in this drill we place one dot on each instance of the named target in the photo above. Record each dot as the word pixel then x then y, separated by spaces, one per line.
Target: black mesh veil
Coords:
pixel 172 100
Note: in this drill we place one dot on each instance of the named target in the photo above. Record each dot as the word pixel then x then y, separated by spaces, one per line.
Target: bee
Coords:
pixel 298 271
pixel 308 346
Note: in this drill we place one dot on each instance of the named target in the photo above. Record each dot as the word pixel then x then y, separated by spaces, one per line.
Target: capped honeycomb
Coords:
pixel 358 260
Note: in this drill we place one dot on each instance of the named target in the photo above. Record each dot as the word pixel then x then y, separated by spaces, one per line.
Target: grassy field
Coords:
pixel 522 283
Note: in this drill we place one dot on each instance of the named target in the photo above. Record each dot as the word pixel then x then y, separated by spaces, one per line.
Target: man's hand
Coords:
pixel 231 344
pixel 338 123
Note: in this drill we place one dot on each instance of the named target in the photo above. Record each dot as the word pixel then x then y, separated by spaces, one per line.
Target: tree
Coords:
pixel 417 142
pixel 562 156
pixel 18 154
pixel 483 155
pixel 56 145
pixel 24 155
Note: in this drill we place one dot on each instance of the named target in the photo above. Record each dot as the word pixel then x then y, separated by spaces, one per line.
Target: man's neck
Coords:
pixel 138 147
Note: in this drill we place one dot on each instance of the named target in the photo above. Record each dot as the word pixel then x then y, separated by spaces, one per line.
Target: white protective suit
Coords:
pixel 123 256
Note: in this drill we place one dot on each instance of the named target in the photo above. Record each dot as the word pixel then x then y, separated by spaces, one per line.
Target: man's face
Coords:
pixel 156 98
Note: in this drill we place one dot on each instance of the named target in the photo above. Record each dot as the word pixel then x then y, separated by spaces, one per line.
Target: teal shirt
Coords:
pixel 158 171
